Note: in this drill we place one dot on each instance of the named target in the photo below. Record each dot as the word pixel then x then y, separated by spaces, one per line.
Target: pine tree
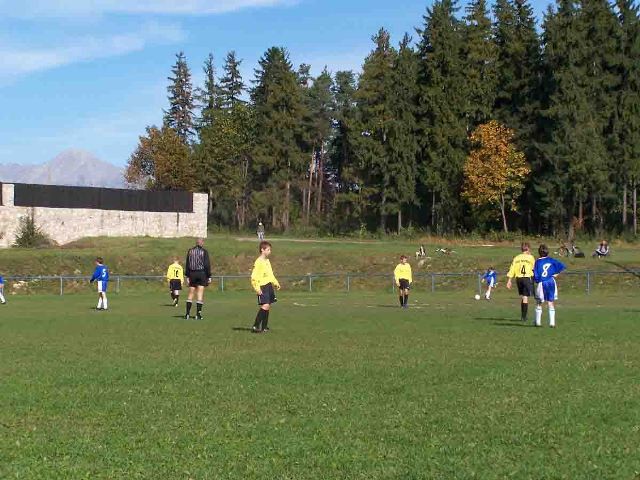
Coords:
pixel 180 114
pixel 627 117
pixel 345 170
pixel 374 99
pixel 231 86
pixel 441 108
pixel 403 141
pixel 279 153
pixel 319 110
pixel 480 55
pixel 208 96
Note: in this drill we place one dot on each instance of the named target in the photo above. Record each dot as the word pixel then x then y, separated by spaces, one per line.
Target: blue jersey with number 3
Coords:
pixel 546 268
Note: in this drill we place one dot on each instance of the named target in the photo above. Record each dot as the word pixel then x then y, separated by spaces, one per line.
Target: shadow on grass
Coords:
pixel 513 324
pixel 501 319
pixel 241 329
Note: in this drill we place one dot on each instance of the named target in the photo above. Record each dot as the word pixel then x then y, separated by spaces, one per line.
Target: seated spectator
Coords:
pixel 421 253
pixel 602 250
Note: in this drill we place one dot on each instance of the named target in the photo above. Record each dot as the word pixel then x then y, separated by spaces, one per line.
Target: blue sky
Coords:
pixel 91 74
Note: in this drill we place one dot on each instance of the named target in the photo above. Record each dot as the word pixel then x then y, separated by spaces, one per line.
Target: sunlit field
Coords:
pixel 344 386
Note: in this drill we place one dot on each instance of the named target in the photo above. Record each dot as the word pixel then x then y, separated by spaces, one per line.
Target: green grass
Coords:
pixel 232 255
pixel 344 387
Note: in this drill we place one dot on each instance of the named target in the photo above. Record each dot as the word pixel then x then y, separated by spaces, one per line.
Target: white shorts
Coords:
pixel 102 286
pixel 492 283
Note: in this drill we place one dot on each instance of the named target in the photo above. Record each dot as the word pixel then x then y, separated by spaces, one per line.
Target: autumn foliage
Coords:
pixel 495 171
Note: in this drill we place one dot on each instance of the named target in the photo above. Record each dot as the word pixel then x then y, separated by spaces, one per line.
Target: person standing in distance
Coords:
pixel 264 282
pixel 175 276
pixel 101 277
pixel 522 270
pixel 198 274
pixel 544 273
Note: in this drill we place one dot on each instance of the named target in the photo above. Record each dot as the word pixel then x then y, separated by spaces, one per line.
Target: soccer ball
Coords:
pixel 477 297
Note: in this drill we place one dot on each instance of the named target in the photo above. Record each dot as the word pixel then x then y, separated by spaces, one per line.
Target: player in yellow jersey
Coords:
pixel 522 270
pixel 175 276
pixel 403 278
pixel 264 282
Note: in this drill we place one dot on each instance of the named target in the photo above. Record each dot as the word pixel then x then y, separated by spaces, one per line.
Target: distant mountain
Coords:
pixel 72 167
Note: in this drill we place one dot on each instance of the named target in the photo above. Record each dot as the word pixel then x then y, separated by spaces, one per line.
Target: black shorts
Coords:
pixel 268 295
pixel 525 286
pixel 175 285
pixel 198 279
pixel 404 284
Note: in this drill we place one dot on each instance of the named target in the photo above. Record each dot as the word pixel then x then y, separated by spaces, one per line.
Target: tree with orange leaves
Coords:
pixel 495 171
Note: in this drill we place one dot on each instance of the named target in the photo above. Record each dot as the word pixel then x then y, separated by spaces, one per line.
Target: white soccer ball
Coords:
pixel 477 297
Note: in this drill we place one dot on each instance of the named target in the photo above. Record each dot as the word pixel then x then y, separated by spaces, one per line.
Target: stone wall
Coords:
pixel 65 225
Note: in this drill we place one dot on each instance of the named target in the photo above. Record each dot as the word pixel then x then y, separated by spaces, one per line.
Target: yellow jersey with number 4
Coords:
pixel 522 266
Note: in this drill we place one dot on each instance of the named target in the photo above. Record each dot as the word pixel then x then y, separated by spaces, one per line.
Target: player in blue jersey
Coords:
pixel 101 277
pixel 2 299
pixel 545 271
pixel 491 279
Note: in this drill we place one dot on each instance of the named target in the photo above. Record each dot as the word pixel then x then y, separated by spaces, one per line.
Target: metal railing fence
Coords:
pixel 586 281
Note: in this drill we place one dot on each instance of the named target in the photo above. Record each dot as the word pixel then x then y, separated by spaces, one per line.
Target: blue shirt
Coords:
pixel 101 273
pixel 491 277
pixel 546 268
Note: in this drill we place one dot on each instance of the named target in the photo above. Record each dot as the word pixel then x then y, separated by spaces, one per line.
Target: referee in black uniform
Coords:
pixel 198 273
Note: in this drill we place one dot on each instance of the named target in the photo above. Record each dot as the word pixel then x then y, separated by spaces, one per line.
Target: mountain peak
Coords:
pixel 73 166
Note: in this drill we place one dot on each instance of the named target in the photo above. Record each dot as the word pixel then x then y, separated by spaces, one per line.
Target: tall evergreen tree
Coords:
pixel 403 141
pixel 279 152
pixel 181 104
pixel 441 112
pixel 480 55
pixel 627 118
pixel 231 86
pixel 345 171
pixel 208 96
pixel 374 99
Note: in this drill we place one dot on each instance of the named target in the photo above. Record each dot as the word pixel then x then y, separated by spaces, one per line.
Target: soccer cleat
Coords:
pixel 266 330
pixel 255 330
pixel 199 316
pixel 175 302
pixel 187 317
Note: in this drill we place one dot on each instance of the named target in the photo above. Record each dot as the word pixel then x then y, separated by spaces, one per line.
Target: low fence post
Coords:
pixel 348 283
pixel 433 283
pixel 479 284
pixel 222 283
pixel 61 286
pixel 588 283
pixel 118 284
pixel 310 283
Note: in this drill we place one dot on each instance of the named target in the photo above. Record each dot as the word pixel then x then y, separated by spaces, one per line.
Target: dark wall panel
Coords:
pixel 53 196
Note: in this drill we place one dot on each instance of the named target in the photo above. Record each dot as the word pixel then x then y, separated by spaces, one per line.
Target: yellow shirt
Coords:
pixel 522 266
pixel 175 272
pixel 403 272
pixel 262 274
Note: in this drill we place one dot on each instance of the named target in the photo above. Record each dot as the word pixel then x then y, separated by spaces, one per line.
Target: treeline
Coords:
pixel 396 145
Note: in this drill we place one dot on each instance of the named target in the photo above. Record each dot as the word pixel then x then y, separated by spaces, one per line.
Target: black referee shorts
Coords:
pixel 268 295
pixel 404 284
pixel 198 279
pixel 175 285
pixel 525 286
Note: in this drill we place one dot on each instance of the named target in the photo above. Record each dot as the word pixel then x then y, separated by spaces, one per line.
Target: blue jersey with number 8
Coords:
pixel 546 269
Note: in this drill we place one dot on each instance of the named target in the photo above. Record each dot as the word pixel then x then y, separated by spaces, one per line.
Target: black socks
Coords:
pixel 199 307
pixel 401 298
pixel 189 303
pixel 406 300
pixel 262 320
pixel 524 308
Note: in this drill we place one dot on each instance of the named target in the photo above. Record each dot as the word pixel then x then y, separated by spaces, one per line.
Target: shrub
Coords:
pixel 30 235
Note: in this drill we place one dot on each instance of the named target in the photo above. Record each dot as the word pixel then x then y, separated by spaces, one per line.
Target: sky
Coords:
pixel 92 74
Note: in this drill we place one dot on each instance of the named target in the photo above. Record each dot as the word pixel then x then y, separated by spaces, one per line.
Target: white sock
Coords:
pixel 552 317
pixel 538 315
pixel 2 297
pixel 104 302
pixel 100 302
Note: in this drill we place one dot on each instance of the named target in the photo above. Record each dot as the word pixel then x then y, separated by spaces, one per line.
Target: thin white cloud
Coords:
pixel 44 8
pixel 18 61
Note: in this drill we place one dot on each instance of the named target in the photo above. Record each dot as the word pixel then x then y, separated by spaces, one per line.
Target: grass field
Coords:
pixel 344 387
